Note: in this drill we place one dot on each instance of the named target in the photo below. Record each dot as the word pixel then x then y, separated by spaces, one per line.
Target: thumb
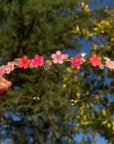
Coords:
pixel 6 82
pixel 9 84
pixel 3 88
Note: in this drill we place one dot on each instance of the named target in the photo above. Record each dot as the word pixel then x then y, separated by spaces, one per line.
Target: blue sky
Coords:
pixel 100 140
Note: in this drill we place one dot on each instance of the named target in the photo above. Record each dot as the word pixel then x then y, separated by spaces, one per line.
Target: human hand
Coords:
pixel 4 86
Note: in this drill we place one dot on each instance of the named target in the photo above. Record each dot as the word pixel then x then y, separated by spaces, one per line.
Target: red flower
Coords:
pixel 95 61
pixel 23 62
pixel 76 62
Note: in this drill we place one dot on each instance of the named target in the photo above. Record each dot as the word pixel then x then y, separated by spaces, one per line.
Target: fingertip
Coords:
pixel 9 84
pixel 3 87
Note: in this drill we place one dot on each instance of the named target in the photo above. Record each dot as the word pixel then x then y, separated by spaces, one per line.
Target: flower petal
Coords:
pixel 58 52
pixel 53 56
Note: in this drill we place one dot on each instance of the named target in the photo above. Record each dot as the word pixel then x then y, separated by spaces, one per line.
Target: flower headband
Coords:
pixel 39 61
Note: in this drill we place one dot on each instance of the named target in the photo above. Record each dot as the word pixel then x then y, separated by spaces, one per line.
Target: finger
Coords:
pixel 3 87
pixel 9 84
pixel 6 82
pixel 3 80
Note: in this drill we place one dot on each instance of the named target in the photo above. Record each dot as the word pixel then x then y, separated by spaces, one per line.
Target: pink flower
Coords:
pixel 2 70
pixel 109 64
pixel 76 62
pixel 9 67
pixel 23 62
pixel 58 57
pixel 37 61
pixel 95 61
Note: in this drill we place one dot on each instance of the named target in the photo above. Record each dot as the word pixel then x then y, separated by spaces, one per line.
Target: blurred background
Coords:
pixel 74 106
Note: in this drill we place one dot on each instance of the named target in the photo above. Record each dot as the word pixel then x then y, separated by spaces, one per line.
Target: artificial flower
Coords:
pixel 23 62
pixel 48 65
pixel 109 64
pixel 9 67
pixel 76 62
pixel 37 61
pixel 95 61
pixel 58 57
pixel 2 70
